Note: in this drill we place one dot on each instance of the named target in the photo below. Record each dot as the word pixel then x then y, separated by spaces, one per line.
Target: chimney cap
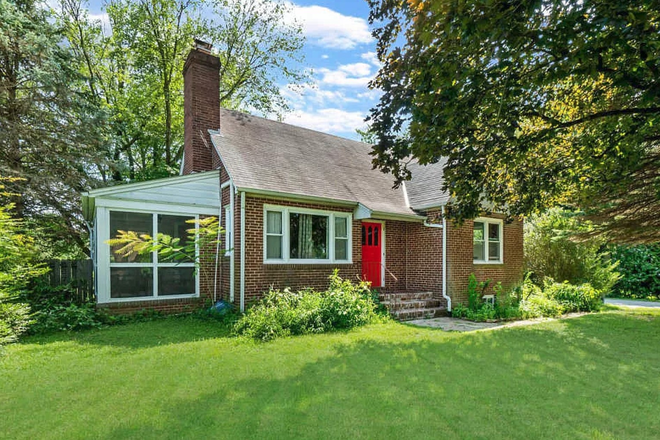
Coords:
pixel 203 46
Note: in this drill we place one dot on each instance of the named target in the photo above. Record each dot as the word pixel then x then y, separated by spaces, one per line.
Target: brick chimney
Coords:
pixel 201 107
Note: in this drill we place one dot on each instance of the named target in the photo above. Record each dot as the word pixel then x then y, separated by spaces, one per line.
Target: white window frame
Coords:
pixel 286 211
pixel 229 239
pixel 106 264
pixel 489 221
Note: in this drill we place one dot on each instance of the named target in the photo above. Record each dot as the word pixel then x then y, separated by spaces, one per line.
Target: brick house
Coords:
pixel 295 204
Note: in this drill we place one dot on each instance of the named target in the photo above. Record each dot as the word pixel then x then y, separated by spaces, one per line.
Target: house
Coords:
pixel 296 204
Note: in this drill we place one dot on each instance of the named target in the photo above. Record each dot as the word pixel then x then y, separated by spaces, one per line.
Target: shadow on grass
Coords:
pixel 141 334
pixel 594 376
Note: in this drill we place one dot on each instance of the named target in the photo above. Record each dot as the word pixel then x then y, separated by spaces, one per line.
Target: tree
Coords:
pixel 533 103
pixel 136 63
pixel 51 131
pixel 17 268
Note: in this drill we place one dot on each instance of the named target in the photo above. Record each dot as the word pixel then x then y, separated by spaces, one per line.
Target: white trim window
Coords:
pixel 306 236
pixel 142 277
pixel 487 241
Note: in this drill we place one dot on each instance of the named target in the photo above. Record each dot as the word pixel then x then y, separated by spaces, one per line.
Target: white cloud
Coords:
pixel 371 58
pixel 329 120
pixel 347 75
pixel 303 96
pixel 325 57
pixel 327 28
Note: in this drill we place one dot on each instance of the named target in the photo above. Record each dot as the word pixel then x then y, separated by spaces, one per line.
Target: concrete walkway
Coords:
pixel 461 325
pixel 631 303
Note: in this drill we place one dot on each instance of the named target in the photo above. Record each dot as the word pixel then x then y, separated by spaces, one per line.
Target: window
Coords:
pixel 229 238
pixel 298 235
pixel 487 240
pixel 145 276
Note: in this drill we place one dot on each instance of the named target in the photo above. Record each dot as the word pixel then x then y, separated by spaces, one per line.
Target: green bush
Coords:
pixel 59 317
pixel 556 248
pixel 284 312
pixel 582 298
pixel 640 271
pixel 15 320
pixel 530 301
pixel 538 306
pixel 17 268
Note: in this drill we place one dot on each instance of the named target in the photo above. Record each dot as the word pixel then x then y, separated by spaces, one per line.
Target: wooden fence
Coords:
pixel 78 274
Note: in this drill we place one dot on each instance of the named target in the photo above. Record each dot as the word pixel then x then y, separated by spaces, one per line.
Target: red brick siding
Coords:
pixel 259 276
pixel 460 259
pixel 424 259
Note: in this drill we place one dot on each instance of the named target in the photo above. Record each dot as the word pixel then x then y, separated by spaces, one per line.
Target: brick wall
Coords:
pixel 460 259
pixel 259 276
pixel 413 256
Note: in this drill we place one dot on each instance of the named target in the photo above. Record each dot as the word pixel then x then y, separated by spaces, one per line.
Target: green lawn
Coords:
pixel 597 376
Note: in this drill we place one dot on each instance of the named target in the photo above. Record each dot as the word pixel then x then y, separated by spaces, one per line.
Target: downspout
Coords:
pixel 92 252
pixel 233 239
pixel 242 275
pixel 217 245
pixel 444 260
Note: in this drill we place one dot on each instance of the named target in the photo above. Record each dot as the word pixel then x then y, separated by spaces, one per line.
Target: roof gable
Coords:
pixel 266 155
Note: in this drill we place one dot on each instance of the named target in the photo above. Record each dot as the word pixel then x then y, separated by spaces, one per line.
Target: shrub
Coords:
pixel 17 269
pixel 582 298
pixel 14 321
pixel 553 250
pixel 531 301
pixel 284 312
pixel 537 306
pixel 640 271
pixel 59 317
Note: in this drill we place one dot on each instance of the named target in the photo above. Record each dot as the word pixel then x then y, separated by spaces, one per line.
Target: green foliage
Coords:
pixel 283 312
pixel 529 301
pixel 532 104
pixel 640 271
pixel 476 291
pixel 581 298
pixel 52 130
pixel 204 234
pixel 71 317
pixel 15 320
pixel 134 67
pixel 555 248
pixel 17 269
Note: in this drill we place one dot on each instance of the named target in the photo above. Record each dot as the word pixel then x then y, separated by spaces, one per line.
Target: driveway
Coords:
pixel 631 303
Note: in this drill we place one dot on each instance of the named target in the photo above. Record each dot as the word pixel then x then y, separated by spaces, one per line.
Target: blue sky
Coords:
pixel 340 50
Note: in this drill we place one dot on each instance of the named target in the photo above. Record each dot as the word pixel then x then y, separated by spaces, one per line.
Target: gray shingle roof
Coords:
pixel 425 188
pixel 266 155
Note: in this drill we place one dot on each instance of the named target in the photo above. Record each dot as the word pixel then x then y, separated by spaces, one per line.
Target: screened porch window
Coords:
pixel 146 275
pixel 306 236
pixel 487 241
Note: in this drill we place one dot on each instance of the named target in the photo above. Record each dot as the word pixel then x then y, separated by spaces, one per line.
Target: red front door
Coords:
pixel 372 241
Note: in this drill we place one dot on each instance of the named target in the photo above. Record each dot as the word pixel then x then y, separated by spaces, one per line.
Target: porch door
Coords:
pixel 372 241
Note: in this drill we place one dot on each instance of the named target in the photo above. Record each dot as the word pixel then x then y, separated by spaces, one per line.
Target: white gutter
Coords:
pixel 242 251
pixel 231 255
pixel 444 260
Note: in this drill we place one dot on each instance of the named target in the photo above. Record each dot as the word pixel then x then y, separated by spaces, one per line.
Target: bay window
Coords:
pixel 487 240
pixel 144 276
pixel 296 235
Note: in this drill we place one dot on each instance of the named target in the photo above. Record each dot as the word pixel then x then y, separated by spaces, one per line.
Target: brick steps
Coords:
pixel 405 306
pixel 410 314
pixel 405 296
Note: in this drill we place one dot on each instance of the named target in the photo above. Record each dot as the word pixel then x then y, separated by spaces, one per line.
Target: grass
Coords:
pixel 597 376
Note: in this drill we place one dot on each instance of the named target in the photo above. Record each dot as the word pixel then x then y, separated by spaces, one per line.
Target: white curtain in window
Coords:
pixel 305 242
